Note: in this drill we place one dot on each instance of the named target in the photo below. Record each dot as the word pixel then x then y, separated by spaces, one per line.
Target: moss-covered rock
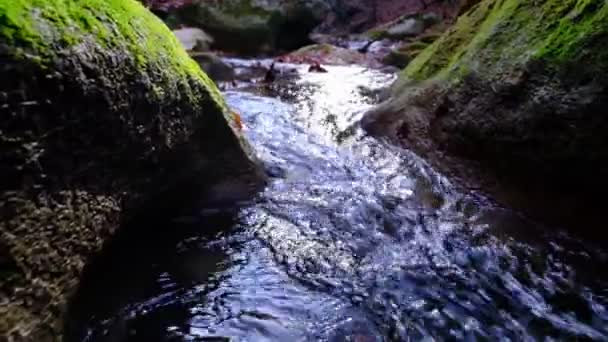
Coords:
pixel 214 66
pixel 103 113
pixel 253 26
pixel 325 54
pixel 412 34
pixel 519 85
pixel 397 58
pixel 402 56
pixel 408 26
pixel 511 33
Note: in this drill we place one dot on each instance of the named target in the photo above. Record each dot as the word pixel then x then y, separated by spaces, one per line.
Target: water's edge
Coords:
pixel 352 239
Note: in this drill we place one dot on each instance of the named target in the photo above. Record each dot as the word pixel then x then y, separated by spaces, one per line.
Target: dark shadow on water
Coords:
pixel 139 287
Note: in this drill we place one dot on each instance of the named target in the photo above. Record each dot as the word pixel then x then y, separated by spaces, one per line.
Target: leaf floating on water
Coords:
pixel 237 120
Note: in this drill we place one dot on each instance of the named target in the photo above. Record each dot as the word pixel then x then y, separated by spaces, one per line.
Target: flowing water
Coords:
pixel 352 240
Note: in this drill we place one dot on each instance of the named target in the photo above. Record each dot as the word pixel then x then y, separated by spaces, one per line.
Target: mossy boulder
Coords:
pixel 397 58
pixel 103 115
pixel 214 66
pixel 402 56
pixel 326 54
pixel 408 26
pixel 253 26
pixel 520 86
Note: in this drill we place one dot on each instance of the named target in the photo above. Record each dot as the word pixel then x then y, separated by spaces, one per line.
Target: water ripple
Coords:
pixel 353 240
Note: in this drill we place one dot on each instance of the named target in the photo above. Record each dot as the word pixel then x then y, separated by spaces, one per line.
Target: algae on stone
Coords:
pixel 519 85
pixel 103 114
pixel 403 55
pixel 504 33
pixel 253 27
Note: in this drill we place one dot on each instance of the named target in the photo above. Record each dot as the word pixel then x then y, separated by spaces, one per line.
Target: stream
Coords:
pixel 352 240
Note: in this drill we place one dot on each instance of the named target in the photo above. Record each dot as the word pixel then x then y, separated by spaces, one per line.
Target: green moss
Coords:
pixel 376 34
pixel 230 19
pixel 414 46
pixel 240 8
pixel 397 58
pixel 236 25
pixel 405 54
pixel 450 46
pixel 429 38
pixel 498 34
pixel 579 35
pixel 40 29
pixel 320 48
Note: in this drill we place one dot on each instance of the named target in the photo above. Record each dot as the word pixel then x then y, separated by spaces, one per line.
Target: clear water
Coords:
pixel 352 240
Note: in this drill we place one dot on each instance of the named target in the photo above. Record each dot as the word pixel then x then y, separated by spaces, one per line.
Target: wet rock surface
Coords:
pixel 214 66
pixel 250 26
pixel 326 54
pixel 95 130
pixel 359 15
pixel 352 239
pixel 193 39
pixel 256 27
pixel 519 102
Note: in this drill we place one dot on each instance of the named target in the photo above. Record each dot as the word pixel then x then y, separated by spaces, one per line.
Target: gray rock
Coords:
pixel 431 19
pixel 194 39
pixel 254 26
pixel 407 28
pixel 215 67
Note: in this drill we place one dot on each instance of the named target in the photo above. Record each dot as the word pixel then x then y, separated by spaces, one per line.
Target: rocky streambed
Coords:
pixel 266 211
pixel 352 240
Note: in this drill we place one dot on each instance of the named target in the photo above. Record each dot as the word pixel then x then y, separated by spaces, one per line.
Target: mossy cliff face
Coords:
pixel 102 112
pixel 519 85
